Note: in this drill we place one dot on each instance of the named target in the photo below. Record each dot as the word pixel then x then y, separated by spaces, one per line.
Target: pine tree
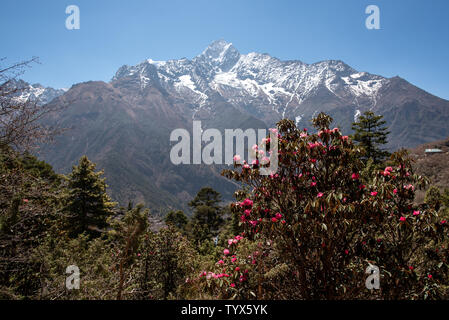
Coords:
pixel 371 134
pixel 207 215
pixel 87 205
pixel 177 219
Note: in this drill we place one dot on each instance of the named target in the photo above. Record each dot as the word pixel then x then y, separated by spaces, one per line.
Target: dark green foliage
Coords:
pixel 433 198
pixel 206 197
pixel 177 219
pixel 166 259
pixel 207 215
pixel 28 209
pixel 87 205
pixel 371 134
pixel 40 168
pixel 126 234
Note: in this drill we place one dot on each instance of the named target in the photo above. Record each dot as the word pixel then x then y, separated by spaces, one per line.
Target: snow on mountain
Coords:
pixel 125 125
pixel 35 92
pixel 255 79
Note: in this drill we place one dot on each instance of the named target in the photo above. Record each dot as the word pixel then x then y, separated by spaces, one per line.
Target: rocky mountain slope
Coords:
pixel 124 125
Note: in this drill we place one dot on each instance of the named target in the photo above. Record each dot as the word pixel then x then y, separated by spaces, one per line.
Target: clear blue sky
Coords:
pixel 413 41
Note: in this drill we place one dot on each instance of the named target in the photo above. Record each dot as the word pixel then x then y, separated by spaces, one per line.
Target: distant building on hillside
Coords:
pixel 433 151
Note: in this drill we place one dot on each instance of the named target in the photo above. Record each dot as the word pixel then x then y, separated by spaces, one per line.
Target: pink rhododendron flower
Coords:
pixel 237 158
pixel 278 215
pixel 374 193
pixel 225 252
pixel 320 194
pixel 232 285
pixel 274 219
pixel 265 160
pixel 355 176
pixel 402 219
pixel 415 213
pixel 220 262
pixel 395 191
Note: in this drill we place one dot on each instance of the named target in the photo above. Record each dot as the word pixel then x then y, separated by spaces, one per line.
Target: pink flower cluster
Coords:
pixel 236 239
pixel 213 275
pixel 312 145
pixel 387 171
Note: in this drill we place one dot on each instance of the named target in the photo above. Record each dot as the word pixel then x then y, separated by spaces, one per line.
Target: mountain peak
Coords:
pixel 221 54
pixel 218 47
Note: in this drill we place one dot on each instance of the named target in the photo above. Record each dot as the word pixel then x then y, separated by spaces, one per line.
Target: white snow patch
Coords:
pixel 186 81
pixel 156 63
pixel 357 115
pixel 297 119
pixel 357 75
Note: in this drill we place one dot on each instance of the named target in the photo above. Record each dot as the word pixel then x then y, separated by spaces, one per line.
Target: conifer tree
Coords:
pixel 177 219
pixel 207 214
pixel 371 133
pixel 87 205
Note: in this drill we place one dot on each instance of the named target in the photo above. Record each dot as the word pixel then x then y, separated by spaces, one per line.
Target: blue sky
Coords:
pixel 413 41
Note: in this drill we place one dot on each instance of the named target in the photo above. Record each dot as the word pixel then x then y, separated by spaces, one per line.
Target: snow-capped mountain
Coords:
pixel 124 125
pixel 256 82
pixel 35 92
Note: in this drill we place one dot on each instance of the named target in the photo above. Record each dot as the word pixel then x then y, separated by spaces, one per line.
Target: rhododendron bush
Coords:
pixel 310 230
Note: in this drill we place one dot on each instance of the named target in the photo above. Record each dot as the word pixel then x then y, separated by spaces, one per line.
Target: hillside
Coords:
pixel 124 125
pixel 434 166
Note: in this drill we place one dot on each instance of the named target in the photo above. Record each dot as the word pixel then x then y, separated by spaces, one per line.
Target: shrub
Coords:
pixel 319 223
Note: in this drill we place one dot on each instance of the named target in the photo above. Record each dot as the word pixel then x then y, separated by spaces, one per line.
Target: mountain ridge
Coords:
pixel 124 125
